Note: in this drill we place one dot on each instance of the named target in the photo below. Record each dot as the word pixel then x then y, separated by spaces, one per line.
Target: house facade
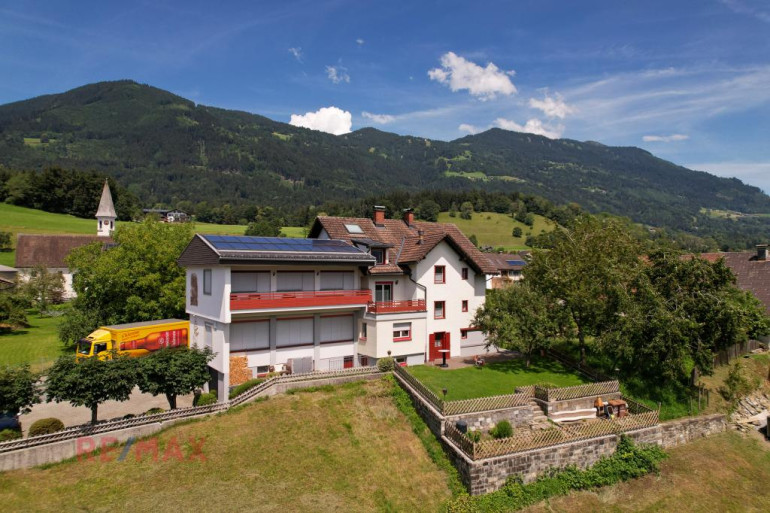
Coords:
pixel 356 291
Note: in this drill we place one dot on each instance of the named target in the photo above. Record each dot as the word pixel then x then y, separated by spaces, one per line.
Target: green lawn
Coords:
pixel 494 378
pixel 493 229
pixel 37 345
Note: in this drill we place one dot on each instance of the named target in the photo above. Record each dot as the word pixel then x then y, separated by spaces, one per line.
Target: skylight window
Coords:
pixel 353 228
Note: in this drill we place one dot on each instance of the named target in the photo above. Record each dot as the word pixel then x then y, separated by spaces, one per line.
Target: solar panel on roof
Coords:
pixel 515 262
pixel 278 244
pixel 353 228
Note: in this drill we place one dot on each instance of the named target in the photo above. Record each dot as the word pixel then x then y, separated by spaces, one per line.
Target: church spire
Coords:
pixel 106 213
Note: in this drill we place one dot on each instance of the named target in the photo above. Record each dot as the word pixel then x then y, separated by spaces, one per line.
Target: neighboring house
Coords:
pixel 751 269
pixel 358 290
pixel 51 251
pixel 509 267
pixel 168 216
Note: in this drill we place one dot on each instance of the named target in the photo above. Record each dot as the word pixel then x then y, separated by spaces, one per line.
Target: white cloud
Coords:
pixel 382 119
pixel 337 74
pixel 553 106
pixel 532 126
pixel 360 41
pixel 471 129
pixel 297 53
pixel 485 83
pixel 665 138
pixel 326 119
pixel 740 7
pixel 754 173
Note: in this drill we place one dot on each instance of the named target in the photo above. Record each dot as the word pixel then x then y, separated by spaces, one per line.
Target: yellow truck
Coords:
pixel 134 339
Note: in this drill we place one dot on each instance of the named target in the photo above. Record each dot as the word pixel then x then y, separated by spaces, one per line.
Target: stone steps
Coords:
pixel 539 419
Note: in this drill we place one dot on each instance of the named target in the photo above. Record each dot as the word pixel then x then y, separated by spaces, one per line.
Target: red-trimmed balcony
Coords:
pixel 299 299
pixel 387 307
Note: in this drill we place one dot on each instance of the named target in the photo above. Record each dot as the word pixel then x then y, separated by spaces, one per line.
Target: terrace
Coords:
pixel 299 299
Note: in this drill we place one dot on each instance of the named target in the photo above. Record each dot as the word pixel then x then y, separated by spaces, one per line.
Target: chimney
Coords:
pixel 408 216
pixel 761 251
pixel 379 215
pixel 420 235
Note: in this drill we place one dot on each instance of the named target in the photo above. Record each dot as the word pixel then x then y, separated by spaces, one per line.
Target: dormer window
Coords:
pixel 379 255
pixel 353 228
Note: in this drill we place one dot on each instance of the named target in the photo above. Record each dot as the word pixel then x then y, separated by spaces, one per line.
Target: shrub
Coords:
pixel 45 426
pixel 9 434
pixel 474 436
pixel 516 232
pixel 738 384
pixel 153 411
pixel 386 364
pixel 206 399
pixel 502 429
pixel 546 384
pixel 247 385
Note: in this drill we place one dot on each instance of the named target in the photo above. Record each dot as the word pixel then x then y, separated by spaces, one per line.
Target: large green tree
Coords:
pixel 137 279
pixel 517 317
pixel 588 270
pixel 18 389
pixel 91 381
pixel 174 372
pixel 43 287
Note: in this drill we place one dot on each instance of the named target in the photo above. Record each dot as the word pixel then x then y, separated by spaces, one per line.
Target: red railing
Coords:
pixel 384 307
pixel 299 299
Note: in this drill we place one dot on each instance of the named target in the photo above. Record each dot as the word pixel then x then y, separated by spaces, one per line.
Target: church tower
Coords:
pixel 105 214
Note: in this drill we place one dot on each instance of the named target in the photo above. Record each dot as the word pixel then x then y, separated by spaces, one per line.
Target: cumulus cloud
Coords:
pixel 360 41
pixel 484 83
pixel 665 138
pixel 382 119
pixel 532 126
pixel 553 106
pixel 331 120
pixel 297 53
pixel 337 74
pixel 471 129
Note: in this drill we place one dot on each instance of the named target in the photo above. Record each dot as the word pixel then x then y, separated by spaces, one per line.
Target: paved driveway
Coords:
pixel 72 416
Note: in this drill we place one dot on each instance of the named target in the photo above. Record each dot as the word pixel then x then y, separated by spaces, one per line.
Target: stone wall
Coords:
pixel 518 416
pixel 432 417
pixel 682 431
pixel 574 404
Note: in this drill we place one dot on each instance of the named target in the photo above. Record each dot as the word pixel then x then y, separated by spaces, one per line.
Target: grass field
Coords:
pixel 27 220
pixel 345 448
pixel 498 378
pixel 724 473
pixel 493 229
pixel 37 345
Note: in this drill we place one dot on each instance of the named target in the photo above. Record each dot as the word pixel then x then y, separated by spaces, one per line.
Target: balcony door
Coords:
pixel 436 342
pixel 383 291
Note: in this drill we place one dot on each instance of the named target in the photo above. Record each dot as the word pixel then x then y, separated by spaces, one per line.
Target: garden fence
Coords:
pixel 576 392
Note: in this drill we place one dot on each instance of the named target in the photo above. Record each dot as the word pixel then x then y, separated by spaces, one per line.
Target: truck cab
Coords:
pixel 99 343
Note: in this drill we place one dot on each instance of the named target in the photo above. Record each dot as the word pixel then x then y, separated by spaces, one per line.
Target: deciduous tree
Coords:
pixel 174 372
pixel 18 389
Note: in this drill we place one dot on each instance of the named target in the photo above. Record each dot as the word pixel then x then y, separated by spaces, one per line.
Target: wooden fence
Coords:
pixel 724 356
pixel 576 392
pixel 524 440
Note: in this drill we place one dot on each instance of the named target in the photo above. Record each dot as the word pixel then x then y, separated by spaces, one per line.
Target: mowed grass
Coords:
pixel 497 378
pixel 723 473
pixel 496 230
pixel 37 345
pixel 339 449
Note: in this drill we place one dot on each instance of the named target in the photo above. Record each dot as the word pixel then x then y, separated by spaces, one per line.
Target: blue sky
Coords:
pixel 686 80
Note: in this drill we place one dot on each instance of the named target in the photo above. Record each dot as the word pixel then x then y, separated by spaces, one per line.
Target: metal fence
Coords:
pixel 179 413
pixel 524 440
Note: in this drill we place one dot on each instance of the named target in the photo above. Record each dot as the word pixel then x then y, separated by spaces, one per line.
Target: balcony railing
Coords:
pixel 299 299
pixel 386 307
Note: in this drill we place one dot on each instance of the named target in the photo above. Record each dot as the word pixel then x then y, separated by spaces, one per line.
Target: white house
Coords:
pixel 358 290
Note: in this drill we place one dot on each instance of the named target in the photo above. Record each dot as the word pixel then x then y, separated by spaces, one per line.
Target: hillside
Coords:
pixel 166 149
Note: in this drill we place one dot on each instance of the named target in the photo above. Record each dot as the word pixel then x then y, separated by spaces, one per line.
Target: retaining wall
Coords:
pixel 517 416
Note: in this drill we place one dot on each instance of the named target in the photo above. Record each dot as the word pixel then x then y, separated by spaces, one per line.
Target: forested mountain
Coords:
pixel 166 149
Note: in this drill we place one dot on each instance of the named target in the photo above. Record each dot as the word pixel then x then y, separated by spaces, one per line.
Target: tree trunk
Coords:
pixel 529 357
pixel 94 410
pixel 582 345
pixel 171 401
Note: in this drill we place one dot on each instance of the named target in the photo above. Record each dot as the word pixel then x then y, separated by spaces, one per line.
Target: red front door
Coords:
pixel 438 340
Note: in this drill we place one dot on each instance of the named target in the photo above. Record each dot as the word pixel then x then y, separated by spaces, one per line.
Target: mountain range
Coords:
pixel 166 149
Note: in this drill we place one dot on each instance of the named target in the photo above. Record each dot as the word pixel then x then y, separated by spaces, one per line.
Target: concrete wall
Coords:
pixel 580 403
pixel 518 416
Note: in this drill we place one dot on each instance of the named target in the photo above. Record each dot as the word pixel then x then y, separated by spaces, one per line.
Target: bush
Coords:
pixel 738 383
pixel 502 429
pixel 46 426
pixel 206 399
pixel 516 232
pixel 235 392
pixel 386 364
pixel 154 411
pixel 474 436
pixel 9 434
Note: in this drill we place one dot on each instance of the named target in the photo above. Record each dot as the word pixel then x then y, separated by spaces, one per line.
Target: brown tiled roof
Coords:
pixel 50 250
pixel 406 246
pixel 500 261
pixel 751 274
